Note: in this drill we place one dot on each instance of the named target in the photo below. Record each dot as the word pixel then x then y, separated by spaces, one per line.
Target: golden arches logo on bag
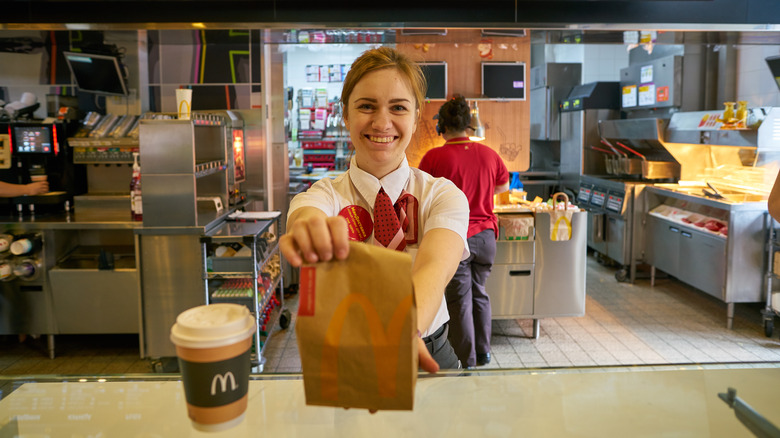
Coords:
pixel 556 232
pixel 384 337
pixel 381 338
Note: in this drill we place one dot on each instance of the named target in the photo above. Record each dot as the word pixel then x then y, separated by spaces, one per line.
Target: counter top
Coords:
pixel 511 209
pixel 585 402
pixel 68 221
pixel 743 202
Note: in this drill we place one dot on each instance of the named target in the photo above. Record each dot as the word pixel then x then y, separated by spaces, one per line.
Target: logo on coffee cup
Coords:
pixel 222 379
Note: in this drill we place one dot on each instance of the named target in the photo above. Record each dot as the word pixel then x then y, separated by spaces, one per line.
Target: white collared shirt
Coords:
pixel 441 205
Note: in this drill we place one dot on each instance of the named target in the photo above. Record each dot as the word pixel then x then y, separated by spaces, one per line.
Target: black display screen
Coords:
pixel 98 74
pixel 33 139
pixel 774 66
pixel 436 75
pixel 503 80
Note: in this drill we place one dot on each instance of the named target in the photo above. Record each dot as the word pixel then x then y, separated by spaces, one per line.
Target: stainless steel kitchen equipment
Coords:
pixel 539 278
pixel 185 170
pixel 616 212
pixel 186 178
pixel 615 200
pixel 249 278
pixel 108 161
pixel 550 84
pixel 61 286
pixel 581 112
pixel 726 261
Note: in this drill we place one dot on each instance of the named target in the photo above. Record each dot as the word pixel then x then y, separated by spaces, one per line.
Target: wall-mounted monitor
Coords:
pixel 97 74
pixel 436 77
pixel 518 33
pixel 32 139
pixel 503 80
pixel 412 32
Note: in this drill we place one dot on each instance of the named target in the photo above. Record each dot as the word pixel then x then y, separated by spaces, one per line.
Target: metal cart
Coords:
pixel 252 278
pixel 772 297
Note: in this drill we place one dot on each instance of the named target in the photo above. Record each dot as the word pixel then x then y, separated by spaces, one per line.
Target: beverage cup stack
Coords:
pixel 213 344
pixel 184 103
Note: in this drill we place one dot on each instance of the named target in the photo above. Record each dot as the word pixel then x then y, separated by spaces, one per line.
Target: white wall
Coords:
pixel 755 83
pixel 600 62
pixel 603 62
pixel 298 56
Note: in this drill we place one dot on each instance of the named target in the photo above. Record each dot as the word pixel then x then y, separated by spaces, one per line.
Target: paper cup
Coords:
pixel 184 102
pixel 213 343
pixel 35 178
pixel 5 242
pixel 6 270
pixel 21 246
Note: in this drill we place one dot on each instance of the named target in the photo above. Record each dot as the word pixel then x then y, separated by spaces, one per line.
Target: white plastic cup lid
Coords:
pixel 212 325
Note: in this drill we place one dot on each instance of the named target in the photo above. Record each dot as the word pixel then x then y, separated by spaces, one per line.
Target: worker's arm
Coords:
pixel 437 260
pixel 773 204
pixel 501 189
pixel 8 190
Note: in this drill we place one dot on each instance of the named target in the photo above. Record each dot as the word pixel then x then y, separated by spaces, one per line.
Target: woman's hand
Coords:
pixel 313 237
pixel 426 361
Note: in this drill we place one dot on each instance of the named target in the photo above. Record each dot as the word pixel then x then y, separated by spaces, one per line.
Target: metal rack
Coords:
pixel 772 245
pixel 242 278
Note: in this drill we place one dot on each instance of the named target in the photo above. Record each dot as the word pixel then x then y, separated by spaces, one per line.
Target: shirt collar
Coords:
pixel 458 140
pixel 368 185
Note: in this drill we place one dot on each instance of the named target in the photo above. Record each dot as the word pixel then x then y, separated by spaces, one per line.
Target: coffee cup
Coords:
pixel 213 344
pixel 21 246
pixel 6 270
pixel 36 178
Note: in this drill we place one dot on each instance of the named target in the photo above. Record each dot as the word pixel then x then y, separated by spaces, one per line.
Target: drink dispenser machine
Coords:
pixel 39 151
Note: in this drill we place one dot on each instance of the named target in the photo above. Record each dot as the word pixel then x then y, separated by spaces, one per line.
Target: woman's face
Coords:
pixel 381 118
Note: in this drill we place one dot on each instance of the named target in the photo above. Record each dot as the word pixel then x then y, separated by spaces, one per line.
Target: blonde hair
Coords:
pixel 382 58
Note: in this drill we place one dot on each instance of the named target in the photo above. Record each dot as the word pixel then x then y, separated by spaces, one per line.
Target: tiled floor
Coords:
pixel 624 324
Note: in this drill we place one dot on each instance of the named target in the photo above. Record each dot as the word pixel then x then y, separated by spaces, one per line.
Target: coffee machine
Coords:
pixel 31 151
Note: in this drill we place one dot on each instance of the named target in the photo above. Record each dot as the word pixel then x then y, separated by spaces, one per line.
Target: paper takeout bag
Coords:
pixel 560 218
pixel 357 329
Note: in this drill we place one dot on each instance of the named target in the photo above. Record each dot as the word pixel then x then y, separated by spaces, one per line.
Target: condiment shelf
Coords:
pixel 242 265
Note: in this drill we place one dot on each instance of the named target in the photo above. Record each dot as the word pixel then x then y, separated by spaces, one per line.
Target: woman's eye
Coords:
pixel 365 106
pixel 399 108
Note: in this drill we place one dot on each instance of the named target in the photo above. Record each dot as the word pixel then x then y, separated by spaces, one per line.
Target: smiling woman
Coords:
pixel 382 97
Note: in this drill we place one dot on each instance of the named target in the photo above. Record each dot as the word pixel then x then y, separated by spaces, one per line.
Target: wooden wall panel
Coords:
pixel 506 122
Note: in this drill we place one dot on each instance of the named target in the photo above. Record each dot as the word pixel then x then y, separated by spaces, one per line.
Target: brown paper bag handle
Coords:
pixel 565 199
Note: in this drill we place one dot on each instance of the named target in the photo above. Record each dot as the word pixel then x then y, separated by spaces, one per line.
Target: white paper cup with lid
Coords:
pixel 213 343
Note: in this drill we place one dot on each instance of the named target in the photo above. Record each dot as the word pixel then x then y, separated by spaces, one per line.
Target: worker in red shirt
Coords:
pixel 480 173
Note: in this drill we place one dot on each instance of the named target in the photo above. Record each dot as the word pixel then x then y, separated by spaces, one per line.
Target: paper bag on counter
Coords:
pixel 560 218
pixel 357 329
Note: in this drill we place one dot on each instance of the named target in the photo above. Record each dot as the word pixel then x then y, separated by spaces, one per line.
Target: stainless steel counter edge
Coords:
pixel 61 222
pixel 730 206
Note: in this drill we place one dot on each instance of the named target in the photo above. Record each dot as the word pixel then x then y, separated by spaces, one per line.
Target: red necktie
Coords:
pixel 387 227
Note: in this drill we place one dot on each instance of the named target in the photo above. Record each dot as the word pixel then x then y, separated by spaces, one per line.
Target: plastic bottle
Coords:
pixel 136 204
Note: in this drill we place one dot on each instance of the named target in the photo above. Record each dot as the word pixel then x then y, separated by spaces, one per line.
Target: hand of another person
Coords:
pixel 315 238
pixel 37 188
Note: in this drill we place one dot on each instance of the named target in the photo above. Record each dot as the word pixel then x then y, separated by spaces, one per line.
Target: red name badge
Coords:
pixel 359 223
